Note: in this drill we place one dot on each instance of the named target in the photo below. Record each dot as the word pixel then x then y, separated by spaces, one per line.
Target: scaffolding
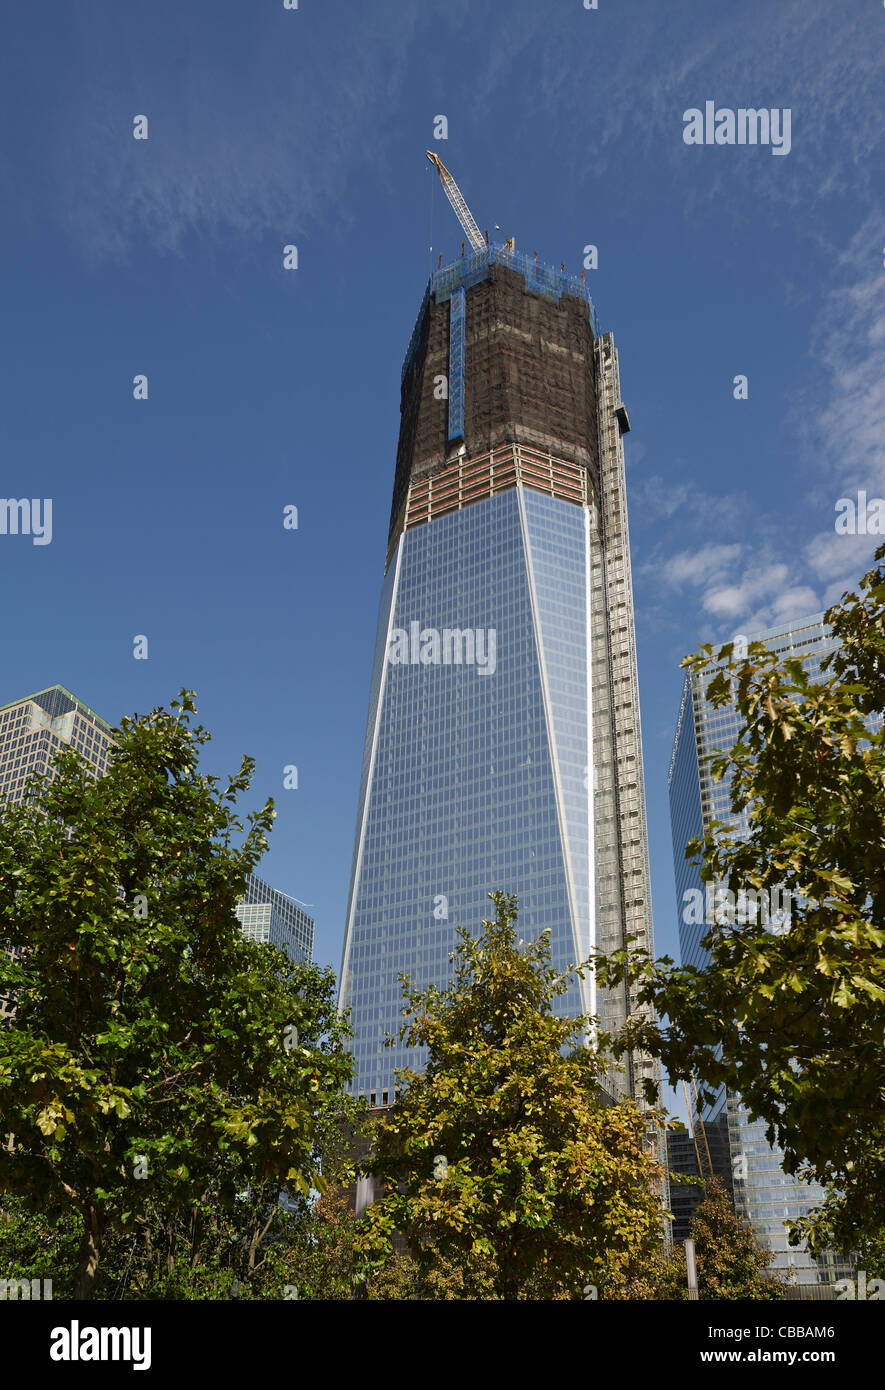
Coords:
pixel 457 312
pixel 471 269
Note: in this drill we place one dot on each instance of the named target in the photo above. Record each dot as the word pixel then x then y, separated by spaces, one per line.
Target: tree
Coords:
pixel 256 1247
pixel 730 1261
pixel 326 1263
pixel 32 1247
pixel 731 1264
pixel 659 1276
pixel 155 1057
pixel 792 1017
pixel 501 1160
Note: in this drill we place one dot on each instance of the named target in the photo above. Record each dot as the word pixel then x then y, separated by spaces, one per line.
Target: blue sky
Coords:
pixel 270 127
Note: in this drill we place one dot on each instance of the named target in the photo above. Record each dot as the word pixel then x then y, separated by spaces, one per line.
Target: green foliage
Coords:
pixel 150 1063
pixel 659 1276
pixel 731 1264
pixel 730 1261
pixel 326 1261
pixel 794 1019
pixel 251 1249
pixel 503 1168
pixel 32 1247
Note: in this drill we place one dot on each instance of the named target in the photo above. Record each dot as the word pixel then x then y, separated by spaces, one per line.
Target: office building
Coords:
pixel 503 744
pixel 268 915
pixel 764 1195
pixel 33 729
pixel 682 1157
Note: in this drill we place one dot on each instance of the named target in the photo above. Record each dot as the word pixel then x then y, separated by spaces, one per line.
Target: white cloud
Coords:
pixel 733 600
pixel 832 556
pixel 739 589
pixel 798 602
pixel 702 566
pixel 834 591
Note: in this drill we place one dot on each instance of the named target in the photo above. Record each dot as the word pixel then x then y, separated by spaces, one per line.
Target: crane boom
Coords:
pixel 694 1130
pixel 456 198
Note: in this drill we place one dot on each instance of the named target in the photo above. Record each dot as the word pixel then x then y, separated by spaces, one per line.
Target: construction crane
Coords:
pixel 694 1130
pixel 456 198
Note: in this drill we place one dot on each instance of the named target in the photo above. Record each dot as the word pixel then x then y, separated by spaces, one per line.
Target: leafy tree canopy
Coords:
pixel 792 1017
pixel 502 1157
pixel 154 1055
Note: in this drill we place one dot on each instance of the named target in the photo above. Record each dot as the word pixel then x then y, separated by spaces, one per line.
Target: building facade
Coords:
pixel 33 729
pixel 764 1195
pixel 268 915
pixel 683 1158
pixel 503 744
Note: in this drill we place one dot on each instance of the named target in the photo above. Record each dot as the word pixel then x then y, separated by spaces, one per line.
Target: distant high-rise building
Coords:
pixel 503 747
pixel 682 1157
pixel 268 915
pixel 31 732
pixel 33 729
pixel 764 1195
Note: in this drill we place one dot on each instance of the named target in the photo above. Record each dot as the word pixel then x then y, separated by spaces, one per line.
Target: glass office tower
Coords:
pixel 503 745
pixel 764 1195
pixel 267 915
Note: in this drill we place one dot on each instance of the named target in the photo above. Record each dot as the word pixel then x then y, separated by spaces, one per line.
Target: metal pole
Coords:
pixel 691 1269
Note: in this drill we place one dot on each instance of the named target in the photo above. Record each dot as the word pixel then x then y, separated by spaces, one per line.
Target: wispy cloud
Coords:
pixel 847 429
pixel 841 416
pixel 754 54
pixel 247 138
pixel 655 497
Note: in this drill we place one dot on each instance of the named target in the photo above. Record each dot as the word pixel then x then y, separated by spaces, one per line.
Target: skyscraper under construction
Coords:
pixel 503 747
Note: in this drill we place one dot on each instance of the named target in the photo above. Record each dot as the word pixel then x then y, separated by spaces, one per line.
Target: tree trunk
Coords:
pixel 510 1284
pixel 89 1253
